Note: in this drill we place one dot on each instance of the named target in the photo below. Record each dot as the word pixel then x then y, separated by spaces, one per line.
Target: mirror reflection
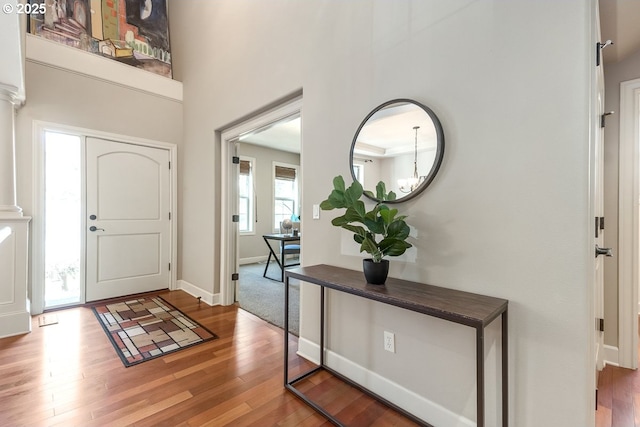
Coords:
pixel 400 143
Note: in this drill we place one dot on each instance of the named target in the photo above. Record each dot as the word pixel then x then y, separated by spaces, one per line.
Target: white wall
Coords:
pixel 507 214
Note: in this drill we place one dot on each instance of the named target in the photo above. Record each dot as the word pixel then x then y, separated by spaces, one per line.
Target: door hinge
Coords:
pixel 603 117
pixel 169 215
pixel 169 266
pixel 235 276
pixel 235 218
pixel 599 47
pixel 235 160
pixel 599 225
pixel 600 324
pixel 169 165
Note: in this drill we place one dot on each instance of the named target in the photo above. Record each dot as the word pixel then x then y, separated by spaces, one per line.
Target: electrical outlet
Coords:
pixel 316 212
pixel 389 341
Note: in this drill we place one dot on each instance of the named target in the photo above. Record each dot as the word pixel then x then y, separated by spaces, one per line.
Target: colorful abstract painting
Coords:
pixel 135 32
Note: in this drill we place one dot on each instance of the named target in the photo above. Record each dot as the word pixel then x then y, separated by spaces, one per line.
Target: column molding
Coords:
pixel 8 198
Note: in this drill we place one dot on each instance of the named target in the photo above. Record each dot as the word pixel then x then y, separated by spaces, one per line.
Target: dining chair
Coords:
pixel 290 248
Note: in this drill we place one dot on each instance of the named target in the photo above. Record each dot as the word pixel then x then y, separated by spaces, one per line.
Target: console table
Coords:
pixel 473 310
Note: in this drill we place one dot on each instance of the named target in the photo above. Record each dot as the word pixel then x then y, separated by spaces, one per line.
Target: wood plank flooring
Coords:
pixel 68 374
pixel 618 397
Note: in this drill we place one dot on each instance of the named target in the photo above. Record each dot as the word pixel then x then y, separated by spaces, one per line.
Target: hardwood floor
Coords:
pixel 68 374
pixel 618 397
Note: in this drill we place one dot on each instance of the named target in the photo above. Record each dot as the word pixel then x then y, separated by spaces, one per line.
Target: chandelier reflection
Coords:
pixel 407 185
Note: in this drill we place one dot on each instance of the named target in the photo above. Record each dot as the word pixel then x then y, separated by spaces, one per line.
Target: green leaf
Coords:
pixel 398 230
pixel 381 191
pixel 339 221
pixel 353 213
pixel 360 231
pixel 338 183
pixel 337 199
pixel 391 195
pixel 326 205
pixel 388 215
pixel 375 226
pixel 369 246
pixel 393 247
pixel 353 193
pixel 356 213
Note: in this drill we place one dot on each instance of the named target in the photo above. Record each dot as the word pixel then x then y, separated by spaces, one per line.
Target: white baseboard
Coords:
pixel 208 297
pixel 611 355
pixel 415 404
pixel 15 324
pixel 252 260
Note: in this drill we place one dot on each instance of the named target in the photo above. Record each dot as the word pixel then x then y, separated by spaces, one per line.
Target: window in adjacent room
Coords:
pixel 286 204
pixel 358 172
pixel 246 195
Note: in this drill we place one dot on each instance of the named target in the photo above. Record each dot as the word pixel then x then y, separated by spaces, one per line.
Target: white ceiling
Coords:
pixel 283 135
pixel 390 132
pixel 620 23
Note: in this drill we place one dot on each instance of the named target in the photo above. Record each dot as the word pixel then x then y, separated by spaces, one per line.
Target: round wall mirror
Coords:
pixel 401 143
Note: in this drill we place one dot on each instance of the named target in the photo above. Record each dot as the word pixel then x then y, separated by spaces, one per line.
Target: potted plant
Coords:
pixel 380 232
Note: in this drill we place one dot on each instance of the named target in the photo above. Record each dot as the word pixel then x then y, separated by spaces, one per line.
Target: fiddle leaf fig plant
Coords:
pixel 381 231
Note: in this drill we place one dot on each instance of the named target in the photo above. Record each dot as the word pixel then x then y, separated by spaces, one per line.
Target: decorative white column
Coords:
pixel 15 316
pixel 8 204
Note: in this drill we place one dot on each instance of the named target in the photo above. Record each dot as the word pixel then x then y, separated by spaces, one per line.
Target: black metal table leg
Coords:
pixel 286 331
pixel 272 252
pixel 505 370
pixel 266 267
pixel 480 376
pixel 283 260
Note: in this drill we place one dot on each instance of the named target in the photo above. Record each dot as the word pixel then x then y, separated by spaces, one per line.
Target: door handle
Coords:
pixel 94 228
pixel 608 252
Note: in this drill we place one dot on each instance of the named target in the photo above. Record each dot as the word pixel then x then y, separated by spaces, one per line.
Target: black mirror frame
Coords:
pixel 439 149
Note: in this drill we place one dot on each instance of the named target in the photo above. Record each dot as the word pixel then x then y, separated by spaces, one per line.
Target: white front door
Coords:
pixel 128 219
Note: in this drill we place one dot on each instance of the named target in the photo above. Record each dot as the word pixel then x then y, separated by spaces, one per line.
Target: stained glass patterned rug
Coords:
pixel 142 329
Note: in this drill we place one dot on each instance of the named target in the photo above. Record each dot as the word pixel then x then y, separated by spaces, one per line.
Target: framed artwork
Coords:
pixel 135 32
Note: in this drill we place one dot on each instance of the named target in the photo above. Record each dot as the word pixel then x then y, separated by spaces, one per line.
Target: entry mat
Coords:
pixel 142 329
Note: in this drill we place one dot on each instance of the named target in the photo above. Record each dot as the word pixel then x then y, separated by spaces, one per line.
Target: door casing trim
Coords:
pixel 36 269
pixel 229 256
pixel 628 229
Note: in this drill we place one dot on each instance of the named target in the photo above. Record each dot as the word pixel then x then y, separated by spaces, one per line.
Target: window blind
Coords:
pixel 245 167
pixel 285 173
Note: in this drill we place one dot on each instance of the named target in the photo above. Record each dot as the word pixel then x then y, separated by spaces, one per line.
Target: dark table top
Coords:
pixel 285 237
pixel 457 306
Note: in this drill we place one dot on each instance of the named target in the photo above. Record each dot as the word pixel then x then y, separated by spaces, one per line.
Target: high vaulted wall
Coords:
pixel 507 216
